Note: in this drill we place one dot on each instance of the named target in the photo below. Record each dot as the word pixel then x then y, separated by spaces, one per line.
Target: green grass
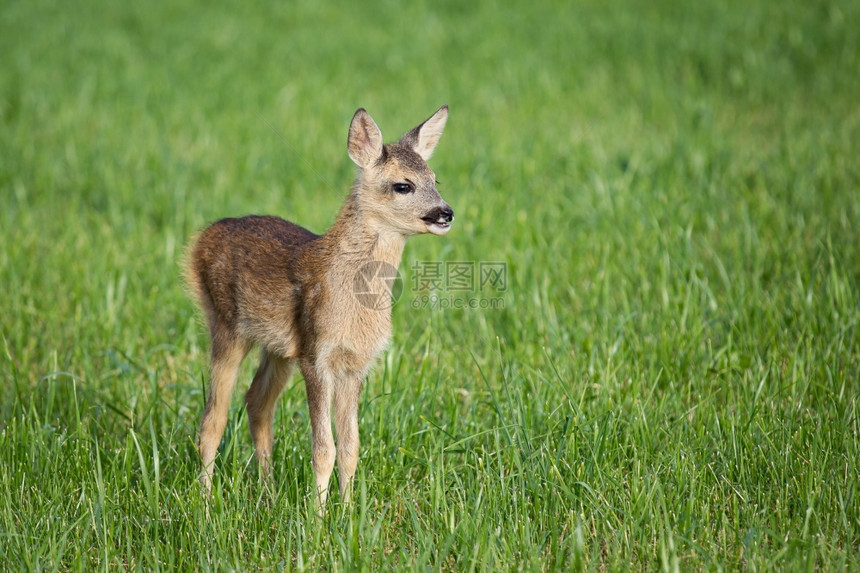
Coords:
pixel 672 383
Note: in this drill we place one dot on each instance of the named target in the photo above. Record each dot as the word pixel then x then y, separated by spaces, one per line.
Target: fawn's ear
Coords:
pixel 365 139
pixel 423 139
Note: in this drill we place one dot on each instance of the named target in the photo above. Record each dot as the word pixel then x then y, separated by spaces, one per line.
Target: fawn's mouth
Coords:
pixel 439 221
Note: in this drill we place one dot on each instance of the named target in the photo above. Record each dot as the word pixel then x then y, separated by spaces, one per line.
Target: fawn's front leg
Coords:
pixel 346 396
pixel 319 390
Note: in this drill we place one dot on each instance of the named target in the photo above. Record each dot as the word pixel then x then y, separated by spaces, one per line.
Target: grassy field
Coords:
pixel 671 382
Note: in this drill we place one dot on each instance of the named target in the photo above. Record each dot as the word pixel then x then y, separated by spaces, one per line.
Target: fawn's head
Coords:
pixel 395 189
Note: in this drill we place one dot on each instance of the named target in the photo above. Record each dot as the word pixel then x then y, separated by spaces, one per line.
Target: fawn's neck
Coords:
pixel 357 238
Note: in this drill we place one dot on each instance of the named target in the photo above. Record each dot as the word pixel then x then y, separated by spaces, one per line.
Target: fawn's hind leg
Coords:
pixel 227 356
pixel 271 377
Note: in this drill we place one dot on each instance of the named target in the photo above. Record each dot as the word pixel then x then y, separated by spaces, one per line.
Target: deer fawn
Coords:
pixel 268 281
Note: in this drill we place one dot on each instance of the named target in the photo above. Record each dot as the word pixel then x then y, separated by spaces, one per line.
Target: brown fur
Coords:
pixel 266 281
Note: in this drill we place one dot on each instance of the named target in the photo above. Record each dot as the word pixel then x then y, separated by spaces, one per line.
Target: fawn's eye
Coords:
pixel 403 188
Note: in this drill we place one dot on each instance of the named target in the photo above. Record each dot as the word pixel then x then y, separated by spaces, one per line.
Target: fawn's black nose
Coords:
pixel 440 214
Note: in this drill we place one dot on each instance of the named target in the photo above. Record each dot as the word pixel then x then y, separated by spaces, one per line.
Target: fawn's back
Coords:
pixel 248 278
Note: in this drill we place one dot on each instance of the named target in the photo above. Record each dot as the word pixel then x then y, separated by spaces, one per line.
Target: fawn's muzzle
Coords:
pixel 439 220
